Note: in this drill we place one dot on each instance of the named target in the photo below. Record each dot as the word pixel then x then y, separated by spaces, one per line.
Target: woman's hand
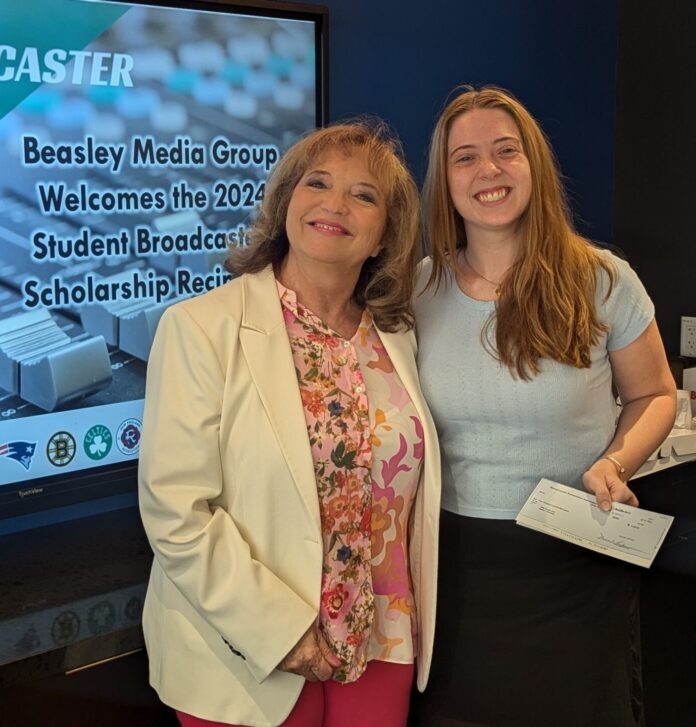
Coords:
pixel 604 483
pixel 311 657
pixel 646 389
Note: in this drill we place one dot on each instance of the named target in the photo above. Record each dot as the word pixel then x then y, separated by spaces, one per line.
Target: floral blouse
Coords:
pixel 367 445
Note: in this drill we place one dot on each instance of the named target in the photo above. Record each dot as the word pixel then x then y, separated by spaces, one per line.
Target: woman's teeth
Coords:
pixel 494 196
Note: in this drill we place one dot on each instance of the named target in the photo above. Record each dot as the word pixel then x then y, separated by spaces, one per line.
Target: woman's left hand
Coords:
pixel 605 484
pixel 311 657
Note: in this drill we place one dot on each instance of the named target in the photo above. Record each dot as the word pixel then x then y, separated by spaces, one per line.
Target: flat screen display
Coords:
pixel 135 141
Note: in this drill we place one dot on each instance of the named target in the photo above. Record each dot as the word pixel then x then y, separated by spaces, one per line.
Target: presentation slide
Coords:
pixel 135 142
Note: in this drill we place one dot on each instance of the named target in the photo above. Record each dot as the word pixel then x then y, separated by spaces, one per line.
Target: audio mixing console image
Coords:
pixel 134 149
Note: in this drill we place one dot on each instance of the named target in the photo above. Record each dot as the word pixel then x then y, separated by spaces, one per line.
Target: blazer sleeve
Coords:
pixel 198 546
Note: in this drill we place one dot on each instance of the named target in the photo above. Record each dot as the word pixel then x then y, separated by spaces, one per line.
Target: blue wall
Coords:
pixel 400 59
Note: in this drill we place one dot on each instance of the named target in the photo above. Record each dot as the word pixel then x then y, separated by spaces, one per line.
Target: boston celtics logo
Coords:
pixel 101 617
pixel 98 441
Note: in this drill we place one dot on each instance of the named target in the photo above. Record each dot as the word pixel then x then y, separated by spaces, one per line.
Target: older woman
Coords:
pixel 289 478
pixel 522 330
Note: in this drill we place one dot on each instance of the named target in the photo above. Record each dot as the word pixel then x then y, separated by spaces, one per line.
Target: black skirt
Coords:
pixel 531 632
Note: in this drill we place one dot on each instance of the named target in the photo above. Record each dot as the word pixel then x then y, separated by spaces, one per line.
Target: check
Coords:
pixel 625 532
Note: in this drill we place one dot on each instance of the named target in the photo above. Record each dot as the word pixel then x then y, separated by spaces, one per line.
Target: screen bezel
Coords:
pixel 319 14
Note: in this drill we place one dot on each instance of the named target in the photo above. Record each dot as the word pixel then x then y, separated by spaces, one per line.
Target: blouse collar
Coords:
pixel 288 299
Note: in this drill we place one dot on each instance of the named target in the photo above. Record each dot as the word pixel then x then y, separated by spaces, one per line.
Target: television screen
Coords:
pixel 135 140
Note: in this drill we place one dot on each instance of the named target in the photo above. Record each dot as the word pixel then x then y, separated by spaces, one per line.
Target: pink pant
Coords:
pixel 378 699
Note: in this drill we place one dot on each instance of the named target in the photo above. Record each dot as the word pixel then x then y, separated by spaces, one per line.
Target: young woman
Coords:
pixel 523 328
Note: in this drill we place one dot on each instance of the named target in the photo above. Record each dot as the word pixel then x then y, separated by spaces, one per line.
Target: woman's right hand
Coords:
pixel 311 657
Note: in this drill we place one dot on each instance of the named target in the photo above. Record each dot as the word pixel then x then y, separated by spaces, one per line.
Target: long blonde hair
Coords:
pixel 385 285
pixel 546 306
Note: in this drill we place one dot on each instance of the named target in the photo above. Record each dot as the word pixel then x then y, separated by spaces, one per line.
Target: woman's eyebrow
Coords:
pixel 473 146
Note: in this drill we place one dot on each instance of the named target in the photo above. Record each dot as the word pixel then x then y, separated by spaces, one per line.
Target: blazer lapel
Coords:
pixel 264 340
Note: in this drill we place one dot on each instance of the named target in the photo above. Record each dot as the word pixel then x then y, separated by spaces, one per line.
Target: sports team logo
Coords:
pixel 61 449
pixel 98 441
pixel 101 617
pixel 65 628
pixel 20 452
pixel 133 610
pixel 128 436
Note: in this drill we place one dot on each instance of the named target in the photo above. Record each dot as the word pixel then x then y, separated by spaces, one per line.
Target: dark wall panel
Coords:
pixel 654 173
pixel 400 59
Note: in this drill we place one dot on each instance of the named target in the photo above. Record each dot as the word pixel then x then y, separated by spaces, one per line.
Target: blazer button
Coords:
pixel 233 650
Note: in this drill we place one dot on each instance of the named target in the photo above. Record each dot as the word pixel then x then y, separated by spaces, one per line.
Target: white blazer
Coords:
pixel 229 502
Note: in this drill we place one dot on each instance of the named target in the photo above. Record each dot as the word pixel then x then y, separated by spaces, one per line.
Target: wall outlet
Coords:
pixel 688 337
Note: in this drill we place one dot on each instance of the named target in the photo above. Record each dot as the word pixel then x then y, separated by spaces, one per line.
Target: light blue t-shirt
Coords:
pixel 500 435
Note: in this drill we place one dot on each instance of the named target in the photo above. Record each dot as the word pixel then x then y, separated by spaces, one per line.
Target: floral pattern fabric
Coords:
pixel 367 454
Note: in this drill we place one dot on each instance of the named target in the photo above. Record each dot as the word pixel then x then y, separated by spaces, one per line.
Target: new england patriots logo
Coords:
pixel 21 452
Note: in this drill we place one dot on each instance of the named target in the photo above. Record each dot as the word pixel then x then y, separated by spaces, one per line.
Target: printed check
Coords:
pixel 625 532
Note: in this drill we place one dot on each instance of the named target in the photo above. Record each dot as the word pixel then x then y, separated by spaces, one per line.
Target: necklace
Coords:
pixel 483 277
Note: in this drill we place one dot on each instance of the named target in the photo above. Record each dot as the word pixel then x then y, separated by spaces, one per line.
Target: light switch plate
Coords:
pixel 688 337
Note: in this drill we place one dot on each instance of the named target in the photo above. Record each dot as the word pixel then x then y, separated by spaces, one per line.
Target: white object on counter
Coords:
pixel 682 420
pixel 678 447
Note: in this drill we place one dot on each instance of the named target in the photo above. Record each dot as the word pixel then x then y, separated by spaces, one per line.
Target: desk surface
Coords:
pixel 678 448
